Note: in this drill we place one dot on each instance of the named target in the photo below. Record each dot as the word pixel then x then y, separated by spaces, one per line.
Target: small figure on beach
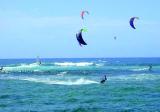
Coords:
pixel 103 79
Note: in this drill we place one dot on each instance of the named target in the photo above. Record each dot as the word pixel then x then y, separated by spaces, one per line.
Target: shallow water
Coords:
pixel 72 85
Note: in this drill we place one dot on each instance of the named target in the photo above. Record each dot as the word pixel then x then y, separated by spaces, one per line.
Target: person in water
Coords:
pixel 1 68
pixel 103 79
pixel 38 61
pixel 150 68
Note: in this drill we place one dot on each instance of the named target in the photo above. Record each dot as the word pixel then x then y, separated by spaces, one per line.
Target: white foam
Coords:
pixel 100 64
pixel 21 67
pixel 139 69
pixel 102 61
pixel 62 82
pixel 62 73
pixel 52 80
pixel 73 64
pixel 28 65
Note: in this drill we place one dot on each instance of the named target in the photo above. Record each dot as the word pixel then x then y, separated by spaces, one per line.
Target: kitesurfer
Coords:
pixel 1 68
pixel 103 79
pixel 150 68
pixel 38 61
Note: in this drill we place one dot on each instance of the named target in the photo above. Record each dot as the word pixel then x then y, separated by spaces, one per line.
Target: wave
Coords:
pixel 104 61
pixel 74 64
pixel 140 69
pixel 79 80
pixel 21 66
pixel 52 68
pixel 61 73
pixel 99 64
pixel 51 80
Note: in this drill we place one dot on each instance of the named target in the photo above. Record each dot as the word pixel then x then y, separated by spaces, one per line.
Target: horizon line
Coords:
pixel 77 58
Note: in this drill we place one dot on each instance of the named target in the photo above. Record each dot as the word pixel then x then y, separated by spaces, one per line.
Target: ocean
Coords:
pixel 73 85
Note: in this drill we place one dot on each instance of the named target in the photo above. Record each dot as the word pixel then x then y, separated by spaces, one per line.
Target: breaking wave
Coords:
pixel 74 64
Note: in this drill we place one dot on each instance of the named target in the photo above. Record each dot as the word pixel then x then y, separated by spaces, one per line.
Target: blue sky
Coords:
pixel 47 28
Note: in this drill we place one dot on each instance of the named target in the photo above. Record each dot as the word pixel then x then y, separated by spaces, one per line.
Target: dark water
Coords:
pixel 72 85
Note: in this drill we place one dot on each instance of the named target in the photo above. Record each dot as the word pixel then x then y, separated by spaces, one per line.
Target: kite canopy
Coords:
pixel 132 22
pixel 83 13
pixel 80 38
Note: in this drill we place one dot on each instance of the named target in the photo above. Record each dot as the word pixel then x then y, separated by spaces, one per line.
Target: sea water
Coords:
pixel 73 85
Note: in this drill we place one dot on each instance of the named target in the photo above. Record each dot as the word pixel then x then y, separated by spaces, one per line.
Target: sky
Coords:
pixel 47 28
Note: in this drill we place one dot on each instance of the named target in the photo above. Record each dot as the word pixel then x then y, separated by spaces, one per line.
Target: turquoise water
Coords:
pixel 72 85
